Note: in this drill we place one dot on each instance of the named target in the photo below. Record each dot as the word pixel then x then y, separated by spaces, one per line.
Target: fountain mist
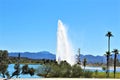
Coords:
pixel 64 49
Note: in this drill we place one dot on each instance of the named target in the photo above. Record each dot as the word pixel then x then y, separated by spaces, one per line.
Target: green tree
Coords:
pixel 104 68
pixel 76 71
pixel 55 70
pixel 84 63
pixel 31 71
pixel 4 63
pixel 17 68
pixel 24 70
pixel 115 51
pixel 27 70
pixel 65 69
pixel 62 70
pixel 109 35
pixel 17 71
pixel 43 70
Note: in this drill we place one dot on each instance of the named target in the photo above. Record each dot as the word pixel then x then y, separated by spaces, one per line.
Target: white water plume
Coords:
pixel 64 49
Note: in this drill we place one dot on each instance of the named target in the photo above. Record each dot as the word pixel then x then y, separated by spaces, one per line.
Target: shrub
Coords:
pixel 88 74
pixel 76 71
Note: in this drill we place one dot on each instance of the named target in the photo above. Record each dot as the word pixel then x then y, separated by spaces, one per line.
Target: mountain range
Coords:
pixel 33 55
pixel 48 55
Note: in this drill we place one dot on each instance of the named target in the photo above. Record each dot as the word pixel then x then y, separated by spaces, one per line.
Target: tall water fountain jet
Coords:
pixel 64 48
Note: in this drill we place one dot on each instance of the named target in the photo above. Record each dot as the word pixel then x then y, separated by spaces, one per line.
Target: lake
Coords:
pixel 100 69
pixel 11 70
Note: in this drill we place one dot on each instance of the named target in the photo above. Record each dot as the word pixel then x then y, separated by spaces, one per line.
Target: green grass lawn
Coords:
pixel 103 75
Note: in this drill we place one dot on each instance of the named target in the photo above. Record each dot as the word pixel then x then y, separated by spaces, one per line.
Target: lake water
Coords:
pixel 100 69
pixel 11 70
pixel 35 66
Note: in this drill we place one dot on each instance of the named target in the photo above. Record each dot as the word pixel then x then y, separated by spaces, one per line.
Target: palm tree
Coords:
pixel 84 63
pixel 116 51
pixel 109 34
pixel 107 68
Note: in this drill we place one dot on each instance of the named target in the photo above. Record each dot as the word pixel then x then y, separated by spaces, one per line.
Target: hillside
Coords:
pixel 48 55
pixel 31 55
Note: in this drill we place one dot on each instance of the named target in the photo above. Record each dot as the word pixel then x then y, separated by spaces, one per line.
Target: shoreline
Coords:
pixel 57 79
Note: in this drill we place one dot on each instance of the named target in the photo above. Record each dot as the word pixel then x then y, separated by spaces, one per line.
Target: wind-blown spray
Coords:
pixel 64 49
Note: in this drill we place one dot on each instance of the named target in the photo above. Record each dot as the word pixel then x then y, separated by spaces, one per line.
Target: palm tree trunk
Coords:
pixel 84 68
pixel 115 64
pixel 107 66
pixel 108 57
pixel 109 44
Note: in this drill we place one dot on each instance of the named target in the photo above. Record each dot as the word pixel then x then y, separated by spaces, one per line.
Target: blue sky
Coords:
pixel 31 25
